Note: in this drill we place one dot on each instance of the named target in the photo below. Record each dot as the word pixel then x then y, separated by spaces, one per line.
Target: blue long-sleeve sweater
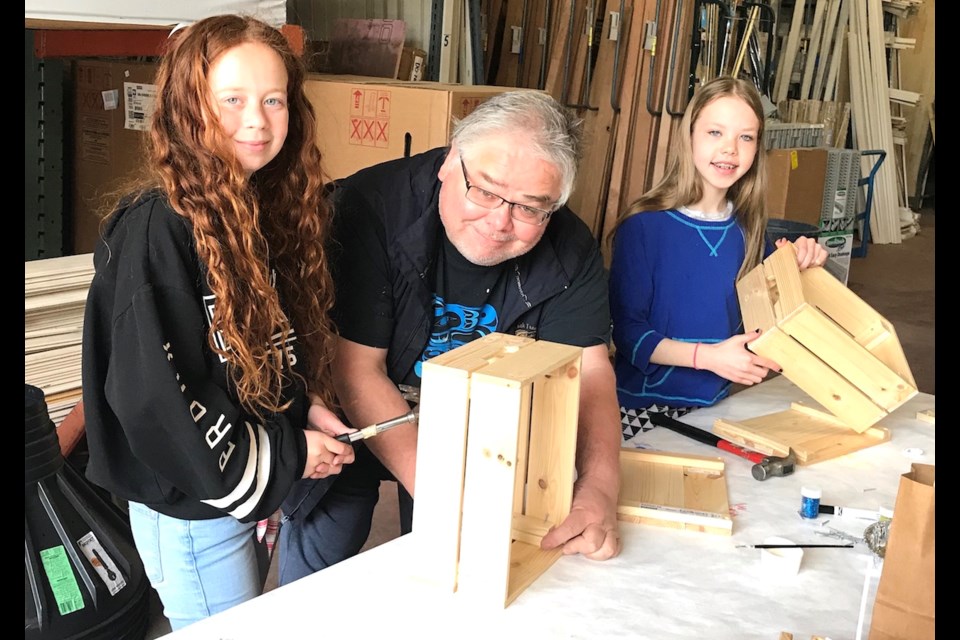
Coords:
pixel 672 276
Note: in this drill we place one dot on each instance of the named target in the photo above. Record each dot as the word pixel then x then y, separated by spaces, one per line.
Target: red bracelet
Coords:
pixel 695 349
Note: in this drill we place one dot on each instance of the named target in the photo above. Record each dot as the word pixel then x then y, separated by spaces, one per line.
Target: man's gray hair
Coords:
pixel 554 131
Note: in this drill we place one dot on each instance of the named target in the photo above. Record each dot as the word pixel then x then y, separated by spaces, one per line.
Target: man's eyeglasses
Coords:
pixel 487 200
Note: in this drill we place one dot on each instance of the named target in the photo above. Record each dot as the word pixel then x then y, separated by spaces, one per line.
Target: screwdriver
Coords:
pixel 380 427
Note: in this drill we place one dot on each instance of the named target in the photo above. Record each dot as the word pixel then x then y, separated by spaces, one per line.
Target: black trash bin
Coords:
pixel 83 578
pixel 790 229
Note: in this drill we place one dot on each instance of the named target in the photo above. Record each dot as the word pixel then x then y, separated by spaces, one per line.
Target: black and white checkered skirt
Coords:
pixel 633 421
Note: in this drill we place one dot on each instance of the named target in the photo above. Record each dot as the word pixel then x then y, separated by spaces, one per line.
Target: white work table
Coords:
pixel 665 584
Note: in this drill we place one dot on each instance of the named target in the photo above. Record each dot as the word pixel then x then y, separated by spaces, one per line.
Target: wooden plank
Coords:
pixel 441 458
pixel 867 327
pixel 528 562
pixel 523 447
pixel 813 435
pixel 840 42
pixel 813 49
pixel 560 41
pixel 552 453
pixel 756 303
pixel 487 523
pixel 536 357
pixel 919 74
pixel 927 415
pixel 589 197
pixel 788 53
pixel 827 48
pixel 781 268
pixel 805 369
pixel 633 71
pixel 833 345
pixel 674 490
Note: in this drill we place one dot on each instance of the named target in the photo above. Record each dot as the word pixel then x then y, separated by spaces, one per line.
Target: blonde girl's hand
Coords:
pixel 732 360
pixel 809 252
pixel 325 455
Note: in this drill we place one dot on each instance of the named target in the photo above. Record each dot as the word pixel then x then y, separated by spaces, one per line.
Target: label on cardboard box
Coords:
pixel 839 245
pixel 369 124
pixel 794 160
pixel 140 100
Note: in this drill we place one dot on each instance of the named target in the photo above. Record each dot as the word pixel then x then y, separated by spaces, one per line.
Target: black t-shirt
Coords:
pixel 466 301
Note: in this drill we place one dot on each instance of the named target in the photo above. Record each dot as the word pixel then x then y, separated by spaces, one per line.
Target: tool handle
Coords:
pixel 753 456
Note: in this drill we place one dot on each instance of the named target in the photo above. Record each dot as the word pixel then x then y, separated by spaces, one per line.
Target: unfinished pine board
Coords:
pixel 493 567
pixel 826 48
pixel 839 42
pixel 813 435
pixel 827 340
pixel 557 47
pixel 441 452
pixel 918 67
pixel 813 48
pixel 680 491
pixel 788 53
pixel 927 415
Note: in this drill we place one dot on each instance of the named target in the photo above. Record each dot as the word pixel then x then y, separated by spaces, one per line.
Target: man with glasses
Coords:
pixel 431 252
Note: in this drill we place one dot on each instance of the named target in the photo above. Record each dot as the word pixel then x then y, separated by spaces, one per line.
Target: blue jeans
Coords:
pixel 199 567
pixel 326 521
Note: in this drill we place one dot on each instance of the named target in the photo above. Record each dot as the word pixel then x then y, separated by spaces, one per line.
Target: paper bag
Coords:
pixel 904 607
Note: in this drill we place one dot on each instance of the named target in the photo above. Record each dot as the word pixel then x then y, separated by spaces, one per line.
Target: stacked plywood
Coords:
pixel 55 292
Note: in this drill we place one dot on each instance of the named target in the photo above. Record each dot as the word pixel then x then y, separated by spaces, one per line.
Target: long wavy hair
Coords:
pixel 682 185
pixel 245 228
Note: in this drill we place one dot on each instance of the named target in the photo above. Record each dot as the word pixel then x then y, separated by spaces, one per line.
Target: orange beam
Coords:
pixel 91 43
pixel 65 43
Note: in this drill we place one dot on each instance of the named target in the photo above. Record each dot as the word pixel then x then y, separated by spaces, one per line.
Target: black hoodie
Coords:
pixel 163 424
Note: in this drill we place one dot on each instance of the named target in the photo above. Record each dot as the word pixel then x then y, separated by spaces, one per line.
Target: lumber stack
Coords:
pixel 629 68
pixel 55 293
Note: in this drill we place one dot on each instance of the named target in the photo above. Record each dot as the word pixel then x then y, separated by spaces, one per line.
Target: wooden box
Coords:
pixel 497 444
pixel 829 342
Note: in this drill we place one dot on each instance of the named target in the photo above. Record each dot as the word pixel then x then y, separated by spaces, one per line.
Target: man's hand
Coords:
pixel 590 529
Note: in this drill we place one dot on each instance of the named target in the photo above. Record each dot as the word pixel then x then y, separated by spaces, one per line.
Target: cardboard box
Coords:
pixel 795 183
pixel 113 104
pixel 364 121
pixel 412 64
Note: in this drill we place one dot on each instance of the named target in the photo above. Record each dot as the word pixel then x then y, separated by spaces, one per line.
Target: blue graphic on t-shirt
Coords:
pixel 455 325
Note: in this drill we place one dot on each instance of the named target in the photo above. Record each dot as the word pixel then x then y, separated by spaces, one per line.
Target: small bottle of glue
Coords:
pixel 810 502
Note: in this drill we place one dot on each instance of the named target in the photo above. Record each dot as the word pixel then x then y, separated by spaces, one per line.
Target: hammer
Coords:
pixel 765 466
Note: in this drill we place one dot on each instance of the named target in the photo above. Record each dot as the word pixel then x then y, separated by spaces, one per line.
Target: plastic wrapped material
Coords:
pixel 83 578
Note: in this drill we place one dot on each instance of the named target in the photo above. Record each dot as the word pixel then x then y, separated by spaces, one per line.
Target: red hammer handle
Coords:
pixel 753 456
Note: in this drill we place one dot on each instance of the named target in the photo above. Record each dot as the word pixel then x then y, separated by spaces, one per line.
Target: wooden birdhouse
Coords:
pixel 832 345
pixel 496 445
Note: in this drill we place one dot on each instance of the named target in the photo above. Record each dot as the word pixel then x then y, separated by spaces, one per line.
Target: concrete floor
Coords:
pixel 897 280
